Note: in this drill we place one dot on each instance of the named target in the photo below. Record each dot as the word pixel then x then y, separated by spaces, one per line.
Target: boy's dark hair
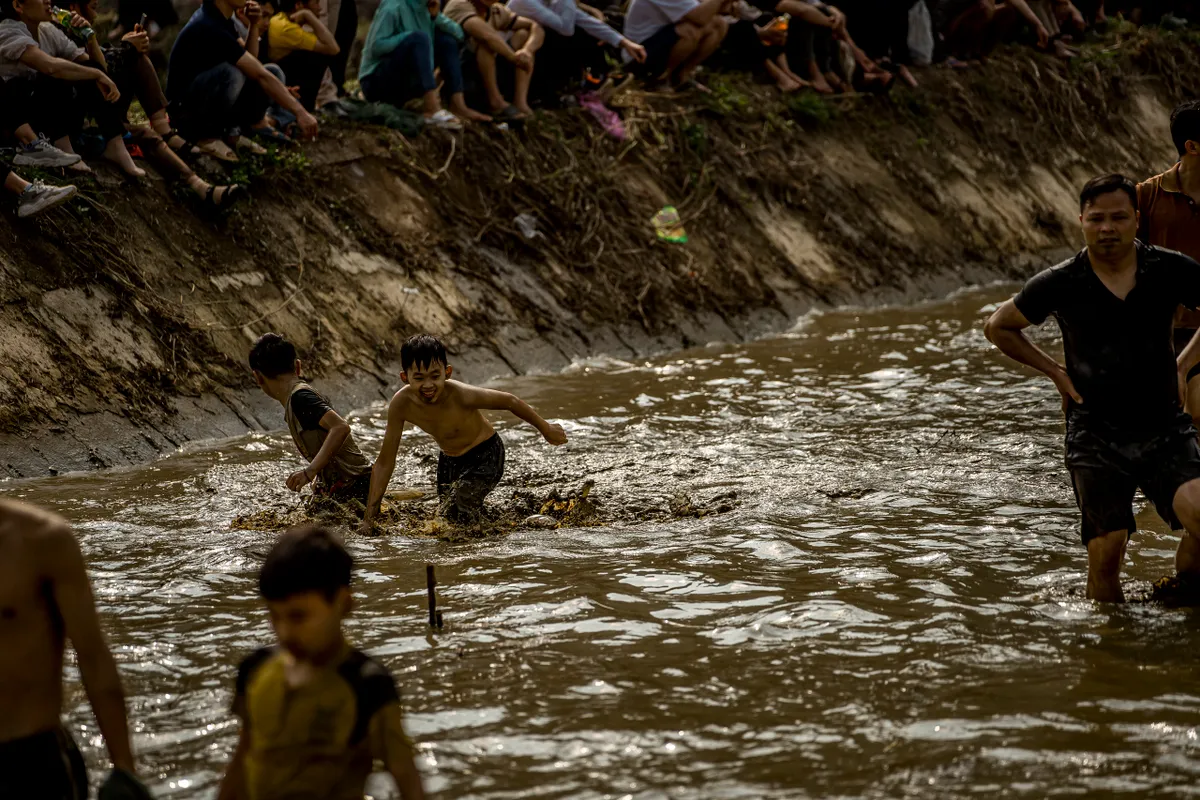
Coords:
pixel 1106 184
pixel 7 11
pixel 422 350
pixel 286 6
pixel 273 355
pixel 305 559
pixel 1185 125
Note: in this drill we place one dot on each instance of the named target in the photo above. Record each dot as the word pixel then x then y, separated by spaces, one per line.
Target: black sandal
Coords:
pixel 185 148
pixel 233 192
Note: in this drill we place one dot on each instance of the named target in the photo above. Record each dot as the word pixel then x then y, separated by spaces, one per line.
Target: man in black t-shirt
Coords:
pixel 216 88
pixel 1122 385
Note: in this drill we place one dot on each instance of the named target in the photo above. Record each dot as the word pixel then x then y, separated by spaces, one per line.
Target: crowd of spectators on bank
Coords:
pixel 244 73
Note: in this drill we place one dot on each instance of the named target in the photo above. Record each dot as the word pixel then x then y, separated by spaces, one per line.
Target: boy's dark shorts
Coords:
pixel 46 766
pixel 358 489
pixel 1107 467
pixel 463 482
pixel 658 53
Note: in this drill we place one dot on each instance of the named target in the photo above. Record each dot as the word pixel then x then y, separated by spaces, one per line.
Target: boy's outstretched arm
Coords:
pixel 492 400
pixel 385 464
pixel 339 431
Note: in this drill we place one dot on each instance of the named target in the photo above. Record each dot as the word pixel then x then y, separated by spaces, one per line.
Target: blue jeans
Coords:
pixel 408 71
pixel 219 102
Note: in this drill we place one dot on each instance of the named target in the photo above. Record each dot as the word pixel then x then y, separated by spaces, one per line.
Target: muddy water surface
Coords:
pixel 893 609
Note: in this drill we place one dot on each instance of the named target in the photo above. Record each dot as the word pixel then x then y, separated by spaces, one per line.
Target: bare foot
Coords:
pixel 116 152
pixel 819 84
pixel 787 85
pixel 834 81
pixel 468 114
pixel 907 76
pixel 1063 50
pixel 524 108
pixel 81 167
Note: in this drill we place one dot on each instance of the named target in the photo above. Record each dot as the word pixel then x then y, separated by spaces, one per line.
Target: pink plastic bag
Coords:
pixel 608 119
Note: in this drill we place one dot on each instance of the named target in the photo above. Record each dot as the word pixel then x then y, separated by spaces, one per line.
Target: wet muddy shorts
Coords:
pixel 1108 467
pixel 343 492
pixel 464 481
pixel 45 766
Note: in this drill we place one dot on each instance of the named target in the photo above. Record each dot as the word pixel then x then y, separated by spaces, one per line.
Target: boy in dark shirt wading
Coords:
pixel 471 463
pixel 316 713
pixel 323 438
pixel 1122 385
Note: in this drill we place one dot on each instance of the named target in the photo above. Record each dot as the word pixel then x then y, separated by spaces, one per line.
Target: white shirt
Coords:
pixel 563 17
pixel 647 17
pixel 15 39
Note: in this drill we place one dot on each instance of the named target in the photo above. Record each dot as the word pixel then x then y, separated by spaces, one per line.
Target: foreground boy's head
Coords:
pixel 273 357
pixel 306 583
pixel 424 366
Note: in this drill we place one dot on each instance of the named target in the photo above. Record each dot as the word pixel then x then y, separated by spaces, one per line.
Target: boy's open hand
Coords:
pixel 555 434
pixel 298 480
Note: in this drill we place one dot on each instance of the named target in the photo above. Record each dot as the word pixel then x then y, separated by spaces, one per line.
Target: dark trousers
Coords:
pixel 408 71
pixel 562 60
pixel 344 33
pixel 742 49
pixel 305 69
pixel 219 102
pixel 58 108
pixel 136 77
pixel 808 43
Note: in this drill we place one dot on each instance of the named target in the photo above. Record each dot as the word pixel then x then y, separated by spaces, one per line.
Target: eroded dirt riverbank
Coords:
pixel 125 319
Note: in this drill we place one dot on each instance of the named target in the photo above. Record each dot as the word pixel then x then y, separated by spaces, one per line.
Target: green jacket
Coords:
pixel 394 21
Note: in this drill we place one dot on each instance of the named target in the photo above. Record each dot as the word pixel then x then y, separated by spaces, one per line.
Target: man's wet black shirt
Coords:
pixel 1119 353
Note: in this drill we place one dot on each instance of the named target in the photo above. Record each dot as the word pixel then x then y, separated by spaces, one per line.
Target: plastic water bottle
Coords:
pixel 63 18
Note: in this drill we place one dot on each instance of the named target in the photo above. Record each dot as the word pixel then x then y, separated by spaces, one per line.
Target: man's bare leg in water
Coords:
pixel 45 599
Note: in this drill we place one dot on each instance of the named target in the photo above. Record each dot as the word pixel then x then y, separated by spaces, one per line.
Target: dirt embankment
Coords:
pixel 125 318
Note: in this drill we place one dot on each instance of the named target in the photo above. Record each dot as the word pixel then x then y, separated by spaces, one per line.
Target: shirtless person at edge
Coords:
pixel 1122 386
pixel 471 463
pixel 45 599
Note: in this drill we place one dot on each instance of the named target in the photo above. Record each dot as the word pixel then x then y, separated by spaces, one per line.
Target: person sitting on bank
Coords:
pixel 335 463
pixel 302 46
pixel 471 462
pixel 407 40
pixel 129 65
pixel 216 88
pixel 493 32
pixel 679 35
pixel 32 198
pixel 1170 217
pixel 316 713
pixel 51 84
pixel 573 35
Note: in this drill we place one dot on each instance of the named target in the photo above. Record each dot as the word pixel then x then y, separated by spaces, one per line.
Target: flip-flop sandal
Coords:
pixel 507 114
pixel 242 143
pixel 218 150
pixel 231 195
pixel 269 134
pixel 184 147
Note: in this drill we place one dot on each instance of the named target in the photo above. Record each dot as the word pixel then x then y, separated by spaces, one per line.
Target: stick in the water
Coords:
pixel 435 616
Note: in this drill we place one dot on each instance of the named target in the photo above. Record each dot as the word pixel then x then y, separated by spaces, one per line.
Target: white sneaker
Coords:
pixel 41 153
pixel 445 120
pixel 39 197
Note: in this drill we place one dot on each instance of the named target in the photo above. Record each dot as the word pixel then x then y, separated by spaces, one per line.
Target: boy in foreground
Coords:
pixel 316 713
pixel 321 435
pixel 471 463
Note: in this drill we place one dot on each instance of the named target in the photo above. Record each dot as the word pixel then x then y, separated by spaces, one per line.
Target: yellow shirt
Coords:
pixel 319 740
pixel 284 36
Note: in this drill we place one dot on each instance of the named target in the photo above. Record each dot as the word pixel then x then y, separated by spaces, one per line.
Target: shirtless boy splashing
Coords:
pixel 45 599
pixel 471 463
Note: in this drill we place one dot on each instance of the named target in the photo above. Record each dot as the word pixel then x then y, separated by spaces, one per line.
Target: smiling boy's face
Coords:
pixel 429 380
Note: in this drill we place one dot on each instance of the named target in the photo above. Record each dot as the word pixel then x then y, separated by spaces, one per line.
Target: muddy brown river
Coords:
pixel 894 609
